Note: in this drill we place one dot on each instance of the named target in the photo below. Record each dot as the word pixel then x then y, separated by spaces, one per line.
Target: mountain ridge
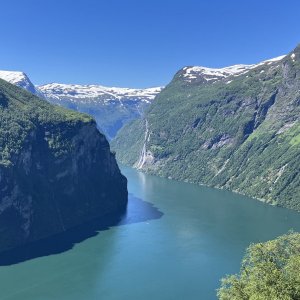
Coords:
pixel 90 91
pixel 214 74
pixel 112 107
pixel 240 132
pixel 20 79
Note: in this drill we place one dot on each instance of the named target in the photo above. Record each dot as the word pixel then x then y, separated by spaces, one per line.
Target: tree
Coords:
pixel 269 270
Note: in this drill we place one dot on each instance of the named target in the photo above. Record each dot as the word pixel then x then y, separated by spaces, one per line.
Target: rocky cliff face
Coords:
pixel 236 128
pixel 56 170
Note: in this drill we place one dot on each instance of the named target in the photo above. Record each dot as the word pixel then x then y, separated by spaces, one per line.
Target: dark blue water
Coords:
pixel 176 242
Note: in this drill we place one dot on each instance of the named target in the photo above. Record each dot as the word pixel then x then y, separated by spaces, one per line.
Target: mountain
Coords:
pixel 112 107
pixel 20 79
pixel 56 169
pixel 202 75
pixel 235 128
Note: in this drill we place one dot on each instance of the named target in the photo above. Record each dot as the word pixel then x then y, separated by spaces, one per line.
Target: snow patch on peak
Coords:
pixel 278 58
pixel 293 56
pixel 19 79
pixel 77 91
pixel 13 77
pixel 215 74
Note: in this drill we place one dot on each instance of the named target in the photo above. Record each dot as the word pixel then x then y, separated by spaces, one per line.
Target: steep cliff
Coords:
pixel 236 128
pixel 56 169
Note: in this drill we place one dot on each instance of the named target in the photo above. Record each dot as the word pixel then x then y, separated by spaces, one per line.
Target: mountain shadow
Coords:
pixel 137 211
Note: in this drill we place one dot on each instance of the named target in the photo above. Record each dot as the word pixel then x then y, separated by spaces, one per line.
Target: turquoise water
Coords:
pixel 174 243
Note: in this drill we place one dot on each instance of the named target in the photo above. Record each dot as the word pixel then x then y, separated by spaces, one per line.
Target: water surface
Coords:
pixel 176 242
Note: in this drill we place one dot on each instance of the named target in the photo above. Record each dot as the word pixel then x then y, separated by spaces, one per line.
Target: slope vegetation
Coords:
pixel 56 169
pixel 236 128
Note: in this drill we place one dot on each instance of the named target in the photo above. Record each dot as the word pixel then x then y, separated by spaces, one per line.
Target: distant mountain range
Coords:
pixel 236 128
pixel 112 107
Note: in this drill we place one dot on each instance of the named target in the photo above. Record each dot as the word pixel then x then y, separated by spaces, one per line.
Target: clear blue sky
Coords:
pixel 139 43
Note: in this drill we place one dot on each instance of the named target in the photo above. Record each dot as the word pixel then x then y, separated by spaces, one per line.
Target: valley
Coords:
pixel 150 150
pixel 183 237
pixel 234 128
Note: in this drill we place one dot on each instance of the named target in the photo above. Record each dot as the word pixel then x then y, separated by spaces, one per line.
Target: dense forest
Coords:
pixel 269 270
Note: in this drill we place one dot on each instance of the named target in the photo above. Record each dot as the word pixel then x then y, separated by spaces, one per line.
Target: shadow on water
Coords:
pixel 137 211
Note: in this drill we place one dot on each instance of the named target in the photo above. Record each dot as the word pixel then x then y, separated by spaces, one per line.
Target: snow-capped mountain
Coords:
pixel 96 93
pixel 112 107
pixel 20 79
pixel 198 73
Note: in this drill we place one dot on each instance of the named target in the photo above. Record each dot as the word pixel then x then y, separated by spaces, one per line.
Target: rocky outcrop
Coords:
pixel 56 170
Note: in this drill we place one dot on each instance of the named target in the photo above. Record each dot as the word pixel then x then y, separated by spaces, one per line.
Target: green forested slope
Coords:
pixel 241 133
pixel 270 271
pixel 21 112
pixel 56 169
